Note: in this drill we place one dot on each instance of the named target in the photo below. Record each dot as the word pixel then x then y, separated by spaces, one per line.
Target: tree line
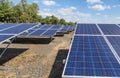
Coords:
pixel 26 13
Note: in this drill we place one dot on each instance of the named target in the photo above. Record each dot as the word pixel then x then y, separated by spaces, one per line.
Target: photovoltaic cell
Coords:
pixel 115 42
pixel 4 26
pixel 64 29
pixel 27 33
pixel 71 28
pixel 4 37
pixel 44 30
pixel 37 33
pixel 49 33
pixel 17 29
pixel 45 27
pixel 110 29
pixel 91 56
pixel 11 30
pixel 87 29
pixel 56 27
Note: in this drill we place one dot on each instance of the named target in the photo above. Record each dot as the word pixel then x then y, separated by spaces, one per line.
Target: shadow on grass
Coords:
pixel 10 54
pixel 57 69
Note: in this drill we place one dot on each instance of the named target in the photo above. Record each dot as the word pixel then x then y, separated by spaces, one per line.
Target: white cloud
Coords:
pixel 114 6
pixel 99 7
pixel 36 1
pixel 118 18
pixel 44 13
pixel 71 14
pixel 98 14
pixel 94 1
pixel 83 14
pixel 106 16
pixel 66 11
pixel 49 2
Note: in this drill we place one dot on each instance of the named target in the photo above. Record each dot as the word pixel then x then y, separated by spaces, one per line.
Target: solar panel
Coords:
pixel 4 37
pixel 90 56
pixel 44 30
pixel 45 27
pixel 36 33
pixel 12 31
pixel 6 26
pixel 27 33
pixel 115 42
pixel 50 33
pixel 17 29
pixel 56 27
pixel 64 29
pixel 87 29
pixel 110 29
pixel 71 28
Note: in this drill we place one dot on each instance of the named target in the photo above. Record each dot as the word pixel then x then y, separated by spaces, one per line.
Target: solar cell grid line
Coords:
pixel 110 45
pixel 46 30
pixel 18 29
pixel 33 32
pixel 117 25
pixel 7 26
pixel 90 56
pixel 71 28
pixel 37 33
pixel 50 33
pixel 110 29
pixel 64 29
pixel 26 33
pixel 56 27
pixel 68 28
pixel 115 42
pixel 5 37
pixel 45 27
pixel 60 28
pixel 87 29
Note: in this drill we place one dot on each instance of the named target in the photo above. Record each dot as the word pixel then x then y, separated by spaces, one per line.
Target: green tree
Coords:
pixel 62 22
pixel 23 5
pixel 54 20
pixel 17 13
pixel 26 13
pixel 32 11
pixel 5 10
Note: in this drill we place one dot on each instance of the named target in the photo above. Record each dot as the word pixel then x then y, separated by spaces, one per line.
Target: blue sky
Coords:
pixel 82 11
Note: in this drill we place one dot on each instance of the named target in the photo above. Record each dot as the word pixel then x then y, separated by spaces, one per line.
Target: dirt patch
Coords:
pixel 37 59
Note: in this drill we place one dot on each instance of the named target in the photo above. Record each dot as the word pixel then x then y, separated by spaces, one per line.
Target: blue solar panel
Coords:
pixel 5 37
pixel 36 33
pixel 49 33
pixel 91 56
pixel 4 26
pixel 87 29
pixel 46 30
pixel 11 30
pixel 115 42
pixel 17 29
pixel 45 27
pixel 64 29
pixel 56 27
pixel 110 29
pixel 27 33
pixel 71 28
